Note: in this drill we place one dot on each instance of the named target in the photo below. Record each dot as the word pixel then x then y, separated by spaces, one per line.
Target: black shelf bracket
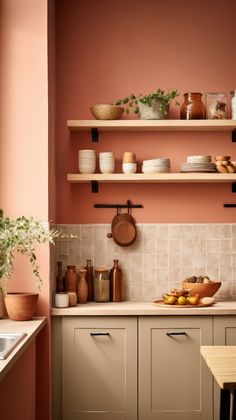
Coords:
pixel 234 136
pixel 128 205
pixel 229 206
pixel 95 135
pixel 94 186
pixel 233 187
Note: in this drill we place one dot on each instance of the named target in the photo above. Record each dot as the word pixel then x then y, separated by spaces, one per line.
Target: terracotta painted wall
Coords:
pixel 24 151
pixel 106 50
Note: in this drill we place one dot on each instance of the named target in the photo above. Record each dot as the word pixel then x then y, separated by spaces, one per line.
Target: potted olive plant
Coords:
pixel 21 235
pixel 153 106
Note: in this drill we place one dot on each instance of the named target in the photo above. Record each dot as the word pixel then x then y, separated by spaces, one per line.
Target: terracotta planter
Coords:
pixel 21 306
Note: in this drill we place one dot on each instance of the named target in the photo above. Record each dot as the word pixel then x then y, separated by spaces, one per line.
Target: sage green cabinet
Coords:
pixel 99 368
pixel 174 382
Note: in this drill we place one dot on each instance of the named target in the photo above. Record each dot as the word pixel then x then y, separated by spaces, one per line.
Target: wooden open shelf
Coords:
pixel 153 178
pixel 152 125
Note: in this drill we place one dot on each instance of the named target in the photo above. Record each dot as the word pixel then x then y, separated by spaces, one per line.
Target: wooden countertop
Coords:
pixel 221 361
pixel 31 328
pixel 143 308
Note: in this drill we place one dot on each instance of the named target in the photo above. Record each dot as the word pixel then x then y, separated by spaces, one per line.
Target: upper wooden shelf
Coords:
pixel 152 125
pixel 155 178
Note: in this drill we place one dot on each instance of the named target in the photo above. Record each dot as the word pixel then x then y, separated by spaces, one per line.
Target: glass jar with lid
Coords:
pixel 192 107
pixel 216 105
pixel 101 284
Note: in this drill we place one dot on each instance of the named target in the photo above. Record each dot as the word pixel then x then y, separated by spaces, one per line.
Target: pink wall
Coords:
pixel 24 151
pixel 106 50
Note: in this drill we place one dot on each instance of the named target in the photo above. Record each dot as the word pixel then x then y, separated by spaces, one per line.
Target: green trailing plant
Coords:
pixel 21 235
pixel 163 98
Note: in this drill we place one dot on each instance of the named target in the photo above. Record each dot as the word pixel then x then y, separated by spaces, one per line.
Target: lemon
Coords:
pixel 170 300
pixel 182 300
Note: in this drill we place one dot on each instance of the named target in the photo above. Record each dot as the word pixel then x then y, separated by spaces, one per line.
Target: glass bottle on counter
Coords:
pixel 116 282
pixel 192 107
pixel 101 285
pixel 71 279
pixel 89 278
pixel 60 280
pixel 82 286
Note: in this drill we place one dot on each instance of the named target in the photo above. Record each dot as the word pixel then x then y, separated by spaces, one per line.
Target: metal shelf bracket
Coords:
pixel 95 135
pixel 94 187
pixel 234 136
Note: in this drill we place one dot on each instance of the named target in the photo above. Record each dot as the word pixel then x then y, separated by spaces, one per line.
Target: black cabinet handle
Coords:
pixel 101 333
pixel 175 333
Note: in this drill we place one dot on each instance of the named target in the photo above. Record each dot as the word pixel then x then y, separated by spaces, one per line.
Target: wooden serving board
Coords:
pixel 176 305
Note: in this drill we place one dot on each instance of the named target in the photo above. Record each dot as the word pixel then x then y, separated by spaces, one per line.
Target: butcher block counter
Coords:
pixel 128 308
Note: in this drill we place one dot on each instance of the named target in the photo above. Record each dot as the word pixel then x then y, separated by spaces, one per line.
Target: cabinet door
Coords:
pixel 224 334
pixel 99 368
pixel 174 382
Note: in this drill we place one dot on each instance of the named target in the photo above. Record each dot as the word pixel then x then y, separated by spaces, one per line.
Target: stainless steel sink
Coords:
pixel 8 341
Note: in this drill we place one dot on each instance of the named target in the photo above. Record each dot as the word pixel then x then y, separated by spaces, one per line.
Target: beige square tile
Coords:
pixel 149 232
pixel 64 232
pixel 136 247
pixel 175 275
pixel 162 261
pixel 225 231
pixel 136 291
pixel 187 262
pixel 187 246
pixel 162 275
pixel 225 246
pixel 75 259
pixel 234 245
pixel 64 259
pixel 233 260
pixel 213 246
pixel 125 261
pixel 199 261
pixel 234 274
pixel 175 246
pixel 233 230
pixel 212 231
pixel 63 247
pixel 199 246
pixel 225 260
pixel 174 262
pixel 99 245
pixel 225 290
pixel 149 290
pixel 112 247
pixel 213 260
pixel 161 288
pixel 234 288
pixel 87 231
pixel 187 272
pixel 75 247
pixel 149 261
pixel 199 271
pixel 87 247
pixel 74 230
pixel 99 260
pixel 174 231
pixel 226 274
pixel 161 231
pixel 149 246
pixel 110 260
pixel 199 231
pixel 100 232
pixel 161 246
pixel 186 231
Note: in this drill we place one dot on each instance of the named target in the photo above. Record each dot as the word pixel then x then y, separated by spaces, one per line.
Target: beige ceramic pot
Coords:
pixel 21 306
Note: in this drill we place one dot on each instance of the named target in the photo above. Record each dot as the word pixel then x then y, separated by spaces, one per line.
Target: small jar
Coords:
pixel 101 285
pixel 216 105
pixel 61 300
pixel 233 105
pixel 192 107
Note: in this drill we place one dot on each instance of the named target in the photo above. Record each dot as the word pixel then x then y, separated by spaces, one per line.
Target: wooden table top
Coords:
pixel 221 361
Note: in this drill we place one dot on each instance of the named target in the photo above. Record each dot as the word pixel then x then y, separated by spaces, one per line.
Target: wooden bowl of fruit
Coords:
pixel 201 285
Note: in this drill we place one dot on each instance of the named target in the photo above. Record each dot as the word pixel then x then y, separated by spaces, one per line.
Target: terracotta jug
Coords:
pixel 71 279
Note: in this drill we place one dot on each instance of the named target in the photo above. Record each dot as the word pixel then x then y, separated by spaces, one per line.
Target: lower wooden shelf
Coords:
pixel 153 178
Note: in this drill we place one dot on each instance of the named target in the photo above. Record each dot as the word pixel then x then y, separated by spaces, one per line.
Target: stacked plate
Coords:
pixel 87 161
pixel 198 164
pixel 154 166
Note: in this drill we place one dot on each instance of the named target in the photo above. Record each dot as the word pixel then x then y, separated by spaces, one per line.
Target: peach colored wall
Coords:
pixel 17 389
pixel 24 146
pixel 106 50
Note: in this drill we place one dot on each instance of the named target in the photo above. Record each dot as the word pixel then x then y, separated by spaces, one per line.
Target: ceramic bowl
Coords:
pixel 203 289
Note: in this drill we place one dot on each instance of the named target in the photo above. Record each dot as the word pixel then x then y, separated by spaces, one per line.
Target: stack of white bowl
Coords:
pixel 87 161
pixel 154 166
pixel 106 162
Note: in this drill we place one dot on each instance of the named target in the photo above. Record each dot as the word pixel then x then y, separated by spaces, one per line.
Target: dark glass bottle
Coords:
pixel 116 282
pixel 60 280
pixel 89 278
pixel 192 107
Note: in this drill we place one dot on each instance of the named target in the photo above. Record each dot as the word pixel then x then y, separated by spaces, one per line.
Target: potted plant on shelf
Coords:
pixel 21 235
pixel 153 106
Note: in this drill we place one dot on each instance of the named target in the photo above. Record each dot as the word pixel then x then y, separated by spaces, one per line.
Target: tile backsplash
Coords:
pixel 161 257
